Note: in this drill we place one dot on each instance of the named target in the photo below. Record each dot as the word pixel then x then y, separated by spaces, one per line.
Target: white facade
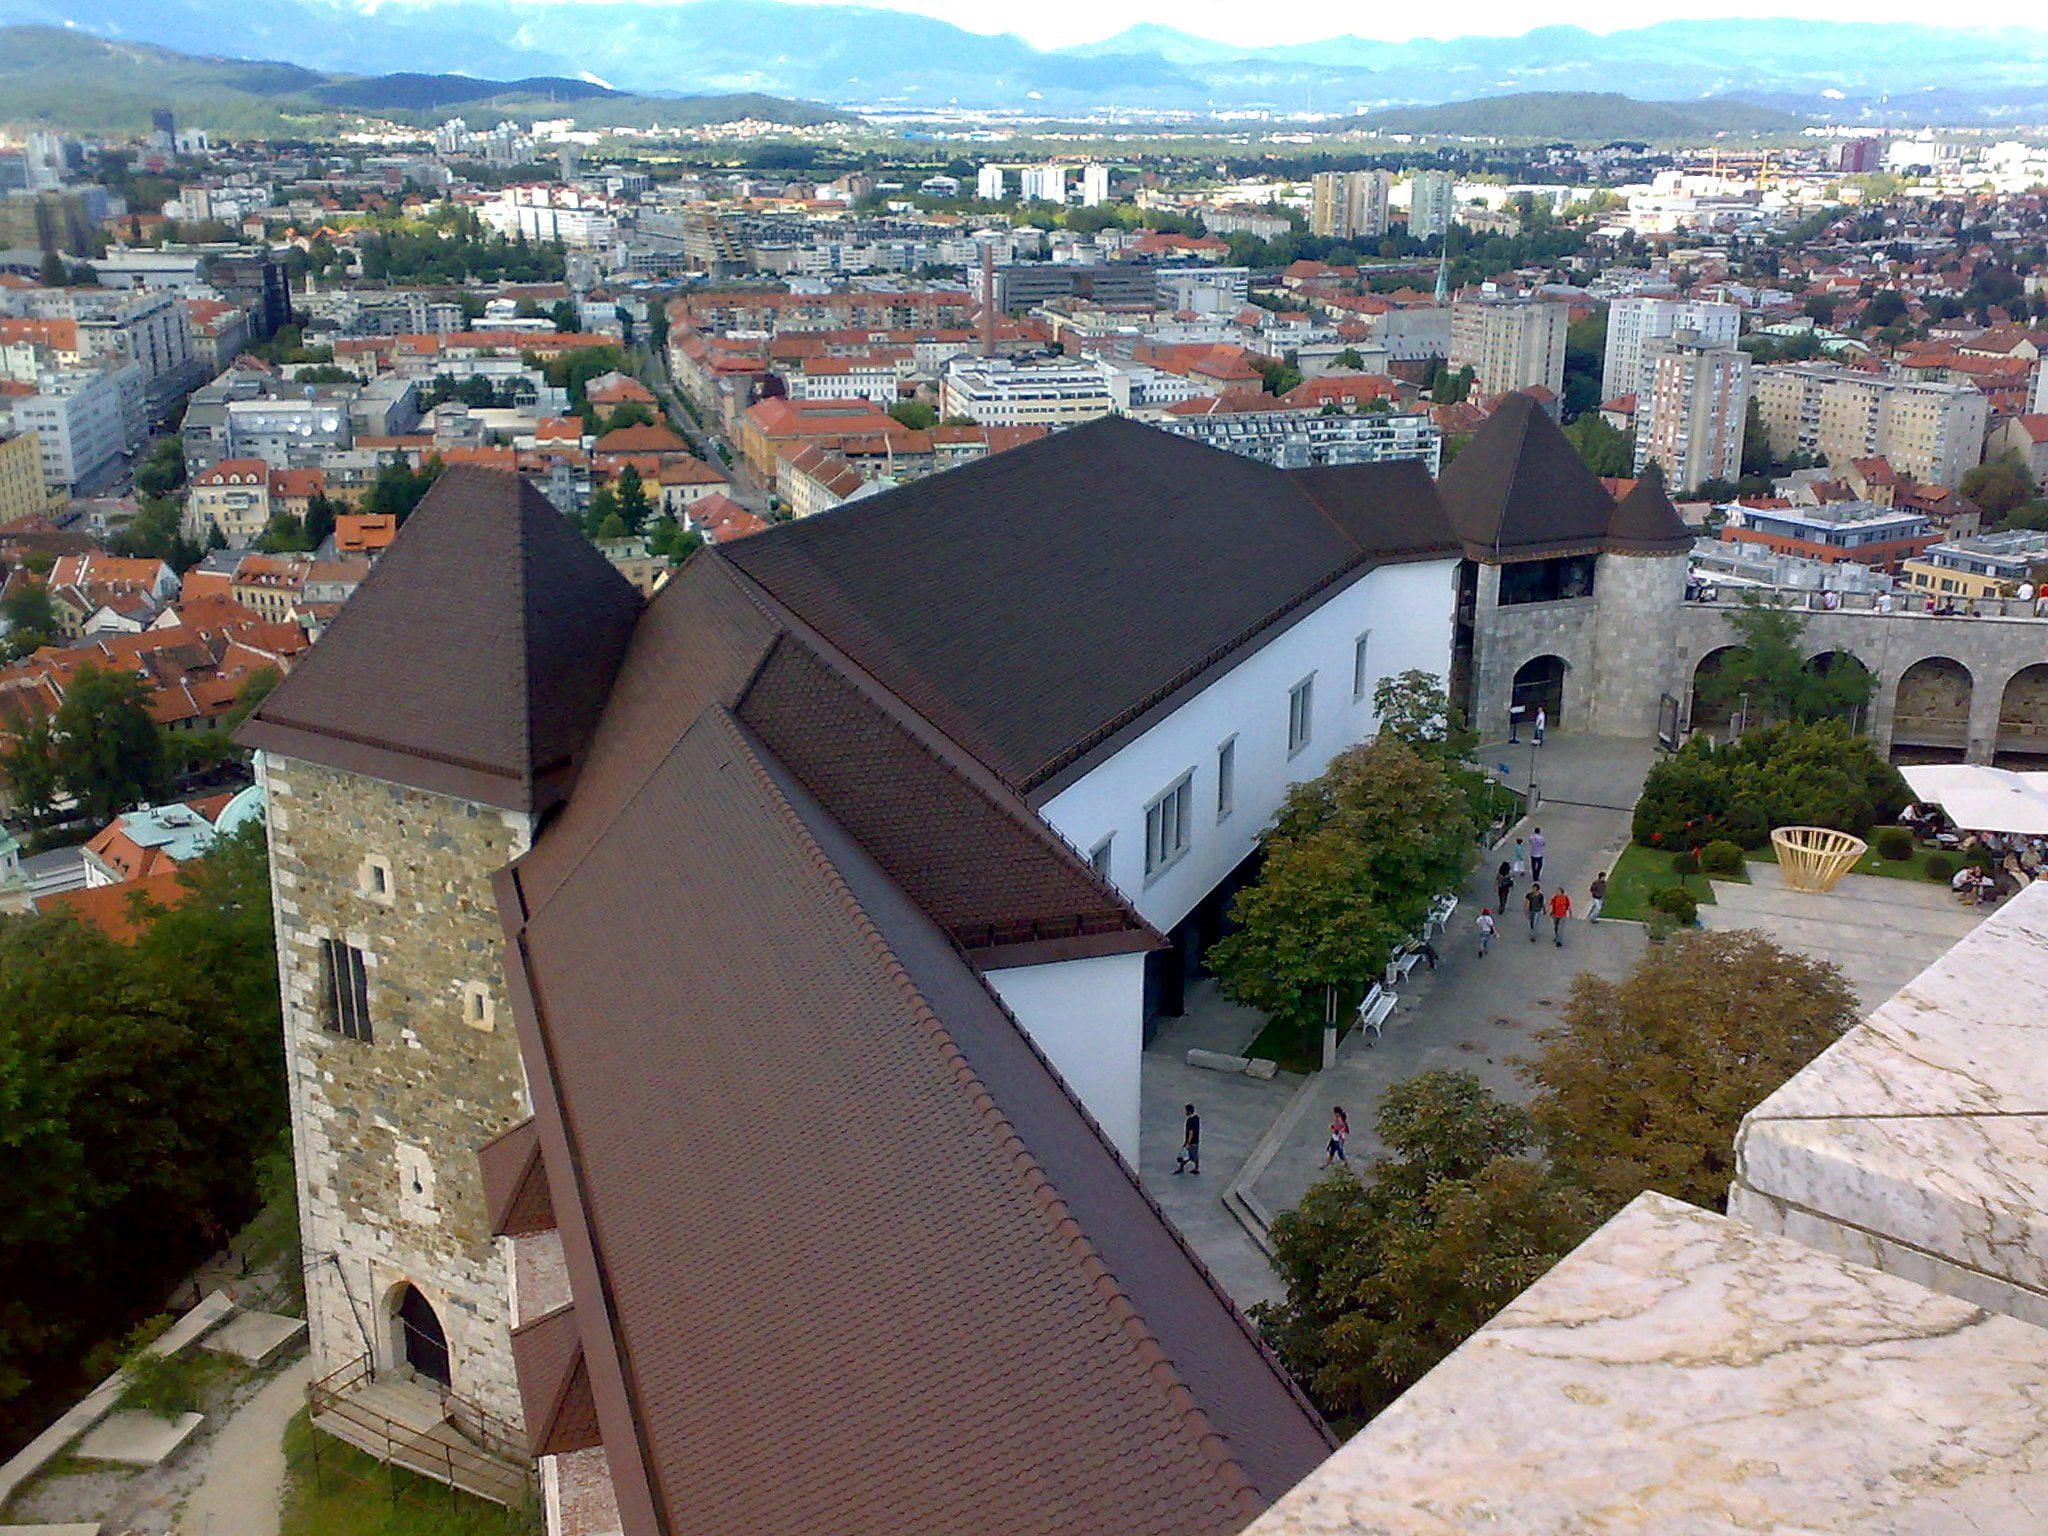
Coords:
pixel 1510 343
pixel 1044 184
pixel 1088 1017
pixel 82 421
pixel 996 392
pixel 1094 185
pixel 1432 202
pixel 988 184
pixel 1632 322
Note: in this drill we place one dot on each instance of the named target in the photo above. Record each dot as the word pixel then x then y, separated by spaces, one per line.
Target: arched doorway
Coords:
pixel 1708 710
pixel 2023 716
pixel 1933 706
pixel 1845 663
pixel 1539 684
pixel 422 1343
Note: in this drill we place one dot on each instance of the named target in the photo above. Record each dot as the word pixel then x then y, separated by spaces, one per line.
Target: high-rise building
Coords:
pixel 259 285
pixel 1927 431
pixel 21 475
pixel 1633 321
pixel 1691 409
pixel 164 127
pixel 1350 205
pixel 988 184
pixel 1094 185
pixel 1044 184
pixel 1510 343
pixel 1856 157
pixel 1431 203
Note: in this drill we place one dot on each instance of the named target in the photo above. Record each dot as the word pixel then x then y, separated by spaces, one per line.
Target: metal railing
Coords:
pixel 1907 603
pixel 494 1464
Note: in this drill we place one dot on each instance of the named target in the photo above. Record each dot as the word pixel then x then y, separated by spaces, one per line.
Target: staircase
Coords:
pixel 400 1420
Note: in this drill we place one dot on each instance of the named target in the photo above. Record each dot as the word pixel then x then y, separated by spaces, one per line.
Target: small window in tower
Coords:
pixel 374 878
pixel 344 991
pixel 478 1009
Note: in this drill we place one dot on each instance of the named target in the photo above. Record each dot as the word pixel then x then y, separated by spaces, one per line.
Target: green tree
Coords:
pixel 283 535
pixel 1585 359
pixel 164 470
pixel 1415 708
pixel 565 318
pixel 52 274
pixel 1350 358
pixel 254 690
pixel 28 758
pixel 914 414
pixel 1647 1080
pixel 612 526
pixel 1886 307
pixel 399 488
pixel 672 541
pixel 157 533
pixel 107 753
pixel 320 516
pixel 1768 667
pixel 1999 485
pixel 1352 864
pixel 1448 387
pixel 632 499
pixel 1756 442
pixel 634 413
pixel 31 615
pixel 1606 449
pixel 1388 1273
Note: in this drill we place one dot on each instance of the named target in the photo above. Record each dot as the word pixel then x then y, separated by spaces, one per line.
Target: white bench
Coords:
pixel 1402 963
pixel 1377 1008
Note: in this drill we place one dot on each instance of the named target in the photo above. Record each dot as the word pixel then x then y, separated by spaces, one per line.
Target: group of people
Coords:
pixel 1527 860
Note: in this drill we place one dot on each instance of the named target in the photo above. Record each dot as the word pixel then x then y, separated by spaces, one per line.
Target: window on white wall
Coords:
pixel 1098 856
pixel 1300 707
pixel 1168 822
pixel 1361 675
pixel 1226 779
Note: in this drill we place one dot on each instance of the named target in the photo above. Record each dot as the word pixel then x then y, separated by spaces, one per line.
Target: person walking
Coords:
pixel 1542 723
pixel 1520 865
pixel 1486 926
pixel 1503 885
pixel 1538 846
pixel 1560 909
pixel 1534 903
pixel 1190 1159
pixel 1340 1132
pixel 1599 897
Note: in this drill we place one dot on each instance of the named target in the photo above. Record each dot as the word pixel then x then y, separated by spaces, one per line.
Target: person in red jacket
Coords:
pixel 1560 909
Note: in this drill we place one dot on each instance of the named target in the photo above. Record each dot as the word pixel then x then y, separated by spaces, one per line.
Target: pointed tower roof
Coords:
pixel 1646 523
pixel 1519 490
pixel 475 659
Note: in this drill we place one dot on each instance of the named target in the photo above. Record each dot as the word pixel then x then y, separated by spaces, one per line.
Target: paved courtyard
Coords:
pixel 1478 1014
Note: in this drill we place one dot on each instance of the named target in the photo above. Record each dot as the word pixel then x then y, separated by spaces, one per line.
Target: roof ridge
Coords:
pixel 1158 1364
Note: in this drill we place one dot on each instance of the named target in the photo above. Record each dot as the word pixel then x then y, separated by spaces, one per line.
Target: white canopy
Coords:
pixel 1981 799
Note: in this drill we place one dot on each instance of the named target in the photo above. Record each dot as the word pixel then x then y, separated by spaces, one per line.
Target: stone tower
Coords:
pixel 411 755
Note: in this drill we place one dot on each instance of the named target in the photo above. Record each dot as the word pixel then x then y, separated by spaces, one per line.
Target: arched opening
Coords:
pixel 1539 684
pixel 1707 710
pixel 422 1342
pixel 1932 711
pixel 2023 717
pixel 1844 663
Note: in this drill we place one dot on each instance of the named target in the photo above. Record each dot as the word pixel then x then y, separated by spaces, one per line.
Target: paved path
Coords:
pixel 243 1480
pixel 1472 1014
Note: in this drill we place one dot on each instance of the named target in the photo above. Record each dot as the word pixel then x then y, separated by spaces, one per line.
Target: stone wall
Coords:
pixel 1635 644
pixel 1505 639
pixel 386 1130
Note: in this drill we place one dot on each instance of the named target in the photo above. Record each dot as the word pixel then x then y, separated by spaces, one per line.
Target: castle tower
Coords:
pixel 410 756
pixel 1641 592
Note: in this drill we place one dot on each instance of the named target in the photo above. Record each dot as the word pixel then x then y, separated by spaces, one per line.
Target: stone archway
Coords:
pixel 1716 719
pixel 1829 662
pixel 1539 684
pixel 417 1338
pixel 2023 716
pixel 1932 706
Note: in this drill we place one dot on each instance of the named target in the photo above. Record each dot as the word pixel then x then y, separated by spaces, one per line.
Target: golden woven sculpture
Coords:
pixel 1815 858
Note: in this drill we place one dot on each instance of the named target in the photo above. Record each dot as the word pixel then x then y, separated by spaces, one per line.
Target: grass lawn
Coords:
pixel 346 1493
pixel 1640 871
pixel 1294 1049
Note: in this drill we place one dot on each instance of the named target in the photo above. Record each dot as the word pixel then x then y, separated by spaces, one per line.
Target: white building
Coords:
pixel 1044 184
pixel 1306 439
pixel 1094 184
pixel 1432 203
pixel 84 419
pixel 1691 409
pixel 1000 392
pixel 1633 321
pixel 988 183
pixel 1348 205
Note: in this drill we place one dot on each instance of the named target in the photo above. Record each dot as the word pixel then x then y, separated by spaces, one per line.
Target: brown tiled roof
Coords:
pixel 948 1306
pixel 1038 604
pixel 1645 522
pixel 515 1186
pixel 474 659
pixel 1520 490
pixel 554 1385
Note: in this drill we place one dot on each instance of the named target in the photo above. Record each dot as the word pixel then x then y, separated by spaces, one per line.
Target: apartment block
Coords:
pixel 1348 205
pixel 1691 409
pixel 1635 321
pixel 1510 343
pixel 21 476
pixel 1432 203
pixel 1932 432
pixel 997 392
pixel 83 419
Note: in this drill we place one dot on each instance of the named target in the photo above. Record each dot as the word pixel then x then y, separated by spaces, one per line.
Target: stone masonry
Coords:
pixel 386 1130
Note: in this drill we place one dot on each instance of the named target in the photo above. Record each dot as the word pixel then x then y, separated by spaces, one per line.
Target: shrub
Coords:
pixel 1685 865
pixel 1895 843
pixel 1941 866
pixel 1677 903
pixel 1721 857
pixel 1781 775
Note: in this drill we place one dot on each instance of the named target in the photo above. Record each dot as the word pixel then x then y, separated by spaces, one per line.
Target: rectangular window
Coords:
pixel 1098 856
pixel 1226 779
pixel 1300 714
pixel 345 988
pixel 1167 825
pixel 1359 675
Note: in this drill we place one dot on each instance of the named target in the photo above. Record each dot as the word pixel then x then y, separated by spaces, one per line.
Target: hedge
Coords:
pixel 1818 775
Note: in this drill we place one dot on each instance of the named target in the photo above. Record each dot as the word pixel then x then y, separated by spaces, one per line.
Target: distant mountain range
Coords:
pixel 857 56
pixel 1583 115
pixel 73 80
